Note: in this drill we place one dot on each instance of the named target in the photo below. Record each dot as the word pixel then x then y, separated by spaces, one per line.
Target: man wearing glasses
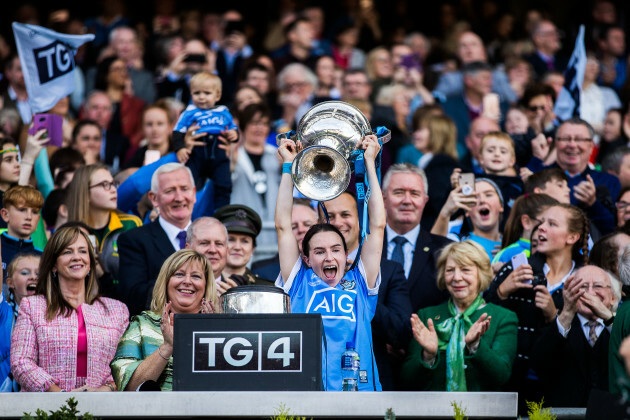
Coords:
pixel 593 191
pixel 571 356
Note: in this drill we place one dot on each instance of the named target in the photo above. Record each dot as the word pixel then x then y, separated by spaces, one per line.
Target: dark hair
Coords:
pixel 79 126
pixel 319 228
pixel 292 25
pixel 51 206
pixel 64 161
pixel 102 70
pixel 250 111
pixel 536 89
pixel 604 253
pixel 539 179
pixel 251 67
pixel 3 142
pixel 528 204
pixel 470 69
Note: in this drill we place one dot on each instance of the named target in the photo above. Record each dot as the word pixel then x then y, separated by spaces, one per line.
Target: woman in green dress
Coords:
pixel 464 344
pixel 185 285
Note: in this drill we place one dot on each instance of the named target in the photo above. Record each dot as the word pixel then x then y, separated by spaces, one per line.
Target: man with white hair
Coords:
pixel 208 236
pixel 144 249
pixel 571 355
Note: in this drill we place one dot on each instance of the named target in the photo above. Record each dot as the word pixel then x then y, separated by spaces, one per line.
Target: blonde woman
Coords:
pixel 435 137
pixel 185 285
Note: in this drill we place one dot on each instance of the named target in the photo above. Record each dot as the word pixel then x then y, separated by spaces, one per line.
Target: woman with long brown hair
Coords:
pixel 66 335
pixel 92 199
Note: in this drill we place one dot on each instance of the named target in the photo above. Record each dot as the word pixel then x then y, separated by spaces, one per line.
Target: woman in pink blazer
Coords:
pixel 66 335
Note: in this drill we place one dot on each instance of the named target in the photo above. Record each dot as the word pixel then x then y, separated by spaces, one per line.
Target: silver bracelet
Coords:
pixel 161 355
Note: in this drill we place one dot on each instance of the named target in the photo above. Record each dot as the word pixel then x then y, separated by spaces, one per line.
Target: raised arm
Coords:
pixel 373 246
pixel 287 245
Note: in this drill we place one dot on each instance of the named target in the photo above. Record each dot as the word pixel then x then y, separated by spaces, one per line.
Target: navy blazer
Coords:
pixel 423 290
pixel 391 324
pixel 142 252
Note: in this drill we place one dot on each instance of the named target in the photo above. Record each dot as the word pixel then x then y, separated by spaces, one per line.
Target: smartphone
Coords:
pixel 467 182
pixel 151 156
pixel 195 58
pixel 52 124
pixel 518 260
pixel 491 107
pixel 411 61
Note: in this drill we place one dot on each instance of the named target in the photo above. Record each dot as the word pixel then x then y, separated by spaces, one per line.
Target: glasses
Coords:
pixel 106 185
pixel 289 86
pixel 596 287
pixel 622 205
pixel 535 108
pixel 575 139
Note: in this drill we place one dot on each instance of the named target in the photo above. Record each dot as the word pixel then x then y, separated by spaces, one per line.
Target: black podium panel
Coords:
pixel 253 352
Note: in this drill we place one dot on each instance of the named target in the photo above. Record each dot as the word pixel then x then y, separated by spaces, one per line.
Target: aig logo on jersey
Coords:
pixel 53 60
pixel 247 351
pixel 333 303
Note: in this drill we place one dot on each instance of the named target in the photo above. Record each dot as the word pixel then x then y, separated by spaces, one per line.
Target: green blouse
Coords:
pixel 142 338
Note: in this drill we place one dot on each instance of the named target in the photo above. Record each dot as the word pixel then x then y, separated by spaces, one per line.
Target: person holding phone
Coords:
pixel 91 199
pixel 534 290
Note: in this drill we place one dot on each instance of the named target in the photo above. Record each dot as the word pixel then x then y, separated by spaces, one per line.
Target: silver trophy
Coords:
pixel 329 132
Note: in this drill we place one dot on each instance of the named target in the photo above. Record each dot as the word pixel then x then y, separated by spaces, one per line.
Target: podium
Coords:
pixel 247 352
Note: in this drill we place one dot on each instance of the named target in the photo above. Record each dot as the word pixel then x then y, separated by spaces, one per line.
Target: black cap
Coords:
pixel 238 218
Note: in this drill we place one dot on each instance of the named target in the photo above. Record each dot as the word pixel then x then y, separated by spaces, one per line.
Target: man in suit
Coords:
pixel 547 42
pixel 390 325
pixel 469 105
pixel 405 194
pixel 571 355
pixel 593 191
pixel 144 249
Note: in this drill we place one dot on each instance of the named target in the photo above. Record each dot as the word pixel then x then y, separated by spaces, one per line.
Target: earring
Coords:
pixel 54 275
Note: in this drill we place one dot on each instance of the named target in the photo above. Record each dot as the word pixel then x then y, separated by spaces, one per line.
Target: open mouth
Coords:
pixel 484 212
pixel 541 239
pixel 186 291
pixel 330 271
pixel 31 287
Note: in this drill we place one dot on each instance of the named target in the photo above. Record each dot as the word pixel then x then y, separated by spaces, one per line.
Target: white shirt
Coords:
pixel 172 231
pixel 560 284
pixel 585 328
pixel 409 247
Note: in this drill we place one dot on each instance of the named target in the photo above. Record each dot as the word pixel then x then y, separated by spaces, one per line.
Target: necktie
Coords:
pixel 592 332
pixel 398 255
pixel 550 64
pixel 182 239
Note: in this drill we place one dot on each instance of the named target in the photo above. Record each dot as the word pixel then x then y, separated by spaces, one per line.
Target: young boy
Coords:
pixel 20 210
pixel 497 158
pixel 553 182
pixel 208 121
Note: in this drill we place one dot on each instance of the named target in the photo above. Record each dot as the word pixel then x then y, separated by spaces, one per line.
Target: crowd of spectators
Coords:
pixel 506 226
